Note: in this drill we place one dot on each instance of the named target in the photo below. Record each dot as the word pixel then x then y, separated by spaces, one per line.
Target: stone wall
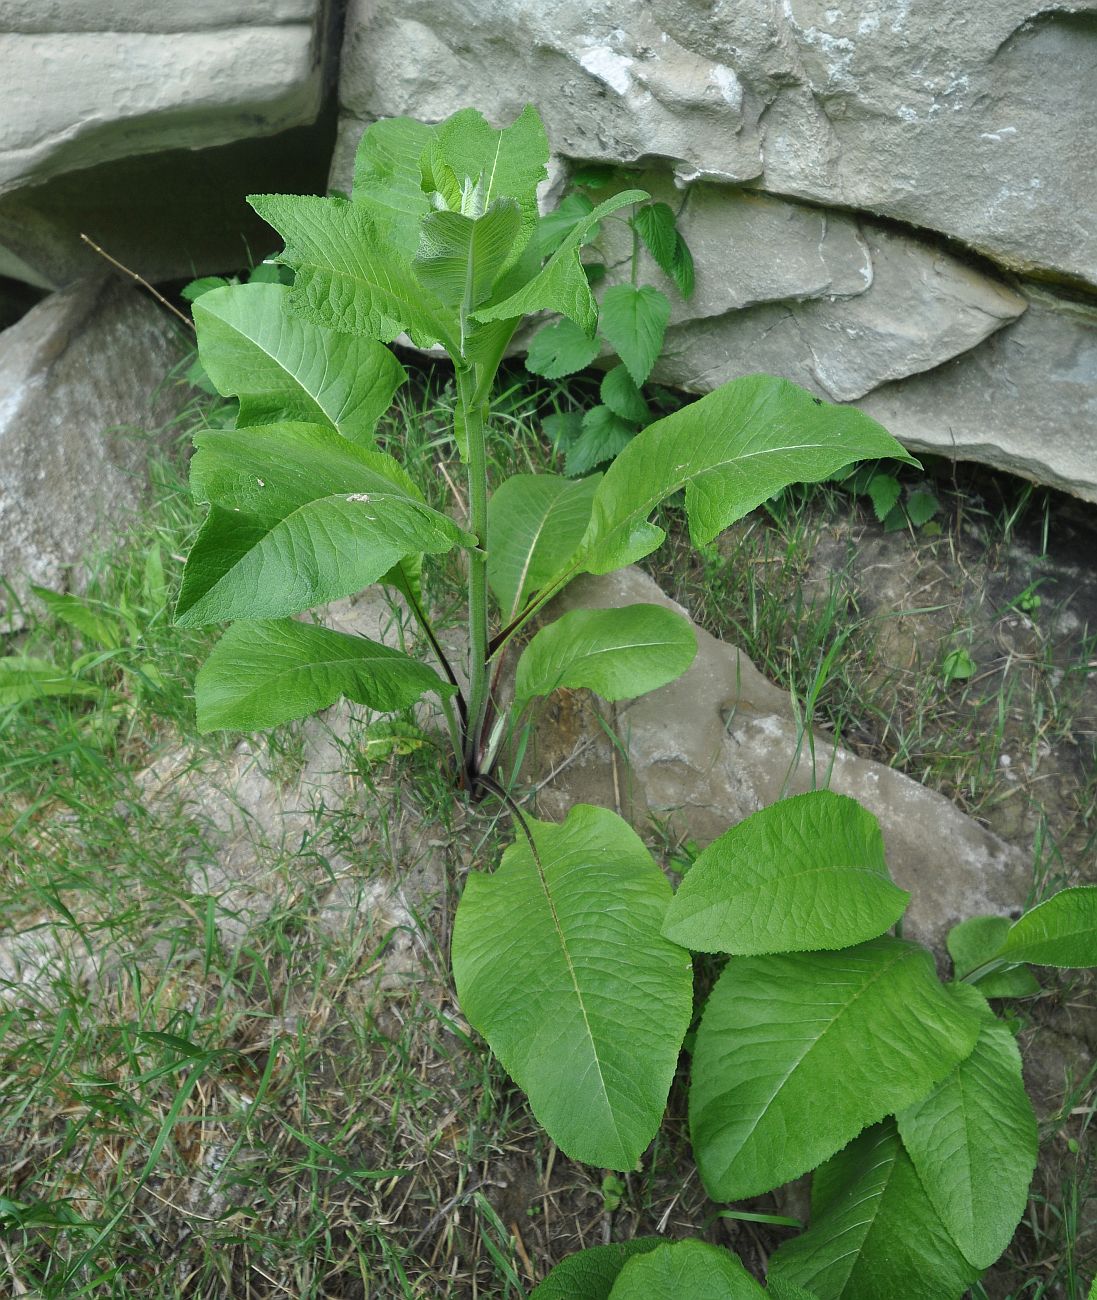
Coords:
pixel 891 203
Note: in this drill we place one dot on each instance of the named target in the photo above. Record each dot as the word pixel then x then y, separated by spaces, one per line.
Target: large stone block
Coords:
pixel 79 408
pixel 110 110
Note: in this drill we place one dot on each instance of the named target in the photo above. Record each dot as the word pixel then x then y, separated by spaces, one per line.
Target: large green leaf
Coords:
pixel 535 524
pixel 977 941
pixel 243 568
pixel 973 1140
pixel 617 653
pixel 561 285
pixel 590 1274
pixel 731 451
pixel 797 1053
pixel 298 516
pixel 269 470
pixel 804 874
pixel 388 177
pixel 634 320
pixel 1060 931
pixel 268 672
pixel 874 1234
pixel 461 257
pixel 778 1288
pixel 686 1268
pixel 554 226
pixel 348 272
pixel 559 963
pixel 282 367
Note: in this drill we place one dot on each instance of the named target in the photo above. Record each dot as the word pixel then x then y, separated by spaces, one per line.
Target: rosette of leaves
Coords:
pixel 826 1041
pixel 632 321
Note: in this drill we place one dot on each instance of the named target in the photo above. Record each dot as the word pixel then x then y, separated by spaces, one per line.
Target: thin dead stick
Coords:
pixel 140 280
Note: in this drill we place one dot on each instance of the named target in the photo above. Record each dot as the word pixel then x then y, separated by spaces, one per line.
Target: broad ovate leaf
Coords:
pixel 561 284
pixel 655 224
pixel 388 177
pixel 874 1234
pixel 804 874
pixel 973 1140
pixel 1060 931
pixel 267 672
pixel 349 275
pixel 298 516
pixel 461 257
pixel 590 1274
pixel 686 1268
pixel 283 367
pixel 535 522
pixel 634 319
pixel 559 963
pixel 731 451
pixel 797 1053
pixel 616 653
pixel 560 349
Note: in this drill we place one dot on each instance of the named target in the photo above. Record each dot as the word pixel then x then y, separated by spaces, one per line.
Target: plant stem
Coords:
pixel 474 413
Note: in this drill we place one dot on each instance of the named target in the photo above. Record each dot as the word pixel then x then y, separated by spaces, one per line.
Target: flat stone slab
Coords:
pixel 721 742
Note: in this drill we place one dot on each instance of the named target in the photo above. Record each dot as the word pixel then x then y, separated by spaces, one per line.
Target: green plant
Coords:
pixel 826 1043
pixel 893 507
pixel 632 320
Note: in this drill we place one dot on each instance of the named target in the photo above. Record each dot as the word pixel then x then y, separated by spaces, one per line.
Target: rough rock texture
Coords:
pixel 1026 401
pixel 722 742
pixel 75 420
pixel 92 86
pixel 149 79
pixel 790 127
pixel 965 119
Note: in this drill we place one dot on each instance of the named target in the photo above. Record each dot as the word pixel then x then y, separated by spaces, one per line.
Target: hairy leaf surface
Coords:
pixel 686 1268
pixel 349 277
pixel 973 1140
pixel 559 963
pixel 282 367
pixel 590 1274
pixel 535 523
pixel 731 451
pixel 797 1053
pixel 617 653
pixel 634 320
pixel 874 1234
pixel 561 285
pixel 264 673
pixel 388 177
pixel 1060 931
pixel 804 874
pixel 461 257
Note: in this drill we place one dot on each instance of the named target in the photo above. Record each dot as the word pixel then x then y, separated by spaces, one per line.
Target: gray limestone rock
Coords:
pixel 722 742
pixel 1026 401
pixel 77 422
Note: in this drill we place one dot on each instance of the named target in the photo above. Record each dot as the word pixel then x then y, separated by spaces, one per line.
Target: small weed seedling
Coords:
pixel 827 1043
pixel 632 320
